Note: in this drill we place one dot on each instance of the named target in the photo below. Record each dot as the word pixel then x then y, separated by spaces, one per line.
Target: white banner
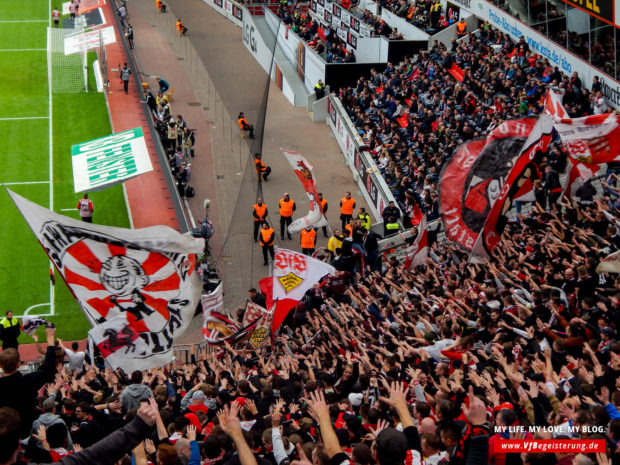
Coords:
pixel 106 161
pixel 138 288
pixel 89 40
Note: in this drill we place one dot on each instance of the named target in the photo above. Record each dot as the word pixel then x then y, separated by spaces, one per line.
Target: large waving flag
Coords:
pixel 591 140
pixel 138 288
pixel 521 169
pixel 417 253
pixel 293 274
pixel 303 170
pixel 474 177
pixel 579 171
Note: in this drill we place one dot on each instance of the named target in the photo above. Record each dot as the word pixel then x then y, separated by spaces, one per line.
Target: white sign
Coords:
pixel 89 40
pixel 100 163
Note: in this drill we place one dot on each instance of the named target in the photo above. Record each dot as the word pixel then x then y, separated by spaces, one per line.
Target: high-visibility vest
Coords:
pixel 260 166
pixel 347 206
pixel 286 208
pixel 260 211
pixel 308 238
pixel 460 28
pixel 267 236
pixel 365 220
pixel 242 122
pixel 323 203
pixel 349 229
pixel 392 227
pixel 180 26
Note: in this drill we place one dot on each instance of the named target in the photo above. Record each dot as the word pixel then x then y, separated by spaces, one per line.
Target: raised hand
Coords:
pixel 229 420
pixel 191 433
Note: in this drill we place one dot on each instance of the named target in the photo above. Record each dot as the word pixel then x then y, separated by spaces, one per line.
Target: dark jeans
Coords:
pixel 267 249
pixel 249 127
pixel 256 229
pixel 266 172
pixel 285 221
pixel 345 219
pixel 126 86
pixel 308 252
pixel 87 219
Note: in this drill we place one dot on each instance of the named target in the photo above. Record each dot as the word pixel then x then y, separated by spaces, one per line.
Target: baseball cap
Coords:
pixel 391 446
pixel 506 405
pixel 356 399
pixel 199 395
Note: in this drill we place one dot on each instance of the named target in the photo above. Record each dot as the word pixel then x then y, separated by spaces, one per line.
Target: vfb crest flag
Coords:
pixel 138 288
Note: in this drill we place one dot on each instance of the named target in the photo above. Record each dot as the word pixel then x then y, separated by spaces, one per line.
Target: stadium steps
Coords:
pixel 289 69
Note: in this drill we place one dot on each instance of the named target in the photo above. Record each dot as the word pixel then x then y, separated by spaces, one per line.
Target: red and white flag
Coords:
pixel 261 334
pixel 553 104
pixel 303 170
pixel 138 287
pixel 417 253
pixel 293 274
pixel 591 140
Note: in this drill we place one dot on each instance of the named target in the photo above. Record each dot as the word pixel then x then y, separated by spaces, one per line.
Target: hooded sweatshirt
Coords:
pixel 49 419
pixel 132 394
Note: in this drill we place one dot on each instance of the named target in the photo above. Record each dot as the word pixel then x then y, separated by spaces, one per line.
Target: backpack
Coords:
pixel 190 192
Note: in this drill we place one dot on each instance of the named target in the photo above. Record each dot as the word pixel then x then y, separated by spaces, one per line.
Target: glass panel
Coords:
pixel 578 25
pixel 603 53
pixel 556 22
pixel 537 14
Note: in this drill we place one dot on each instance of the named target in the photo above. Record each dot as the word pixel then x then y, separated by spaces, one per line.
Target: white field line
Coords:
pixel 23 49
pixel 51 140
pixel 24 118
pixel 23 183
pixel 25 21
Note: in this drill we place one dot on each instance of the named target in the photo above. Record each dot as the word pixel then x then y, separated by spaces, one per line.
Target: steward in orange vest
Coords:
pixel 308 241
pixel 287 207
pixel 461 28
pixel 244 125
pixel 261 168
pixel 267 236
pixel 347 205
pixel 260 215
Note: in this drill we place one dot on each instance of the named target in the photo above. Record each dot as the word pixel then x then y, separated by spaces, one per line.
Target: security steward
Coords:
pixel 391 226
pixel 287 207
pixel 347 205
pixel 244 125
pixel 319 90
pixel 308 240
pixel 260 215
pixel 267 236
pixel 461 28
pixel 10 327
pixel 364 219
pixel 262 171
pixel 323 205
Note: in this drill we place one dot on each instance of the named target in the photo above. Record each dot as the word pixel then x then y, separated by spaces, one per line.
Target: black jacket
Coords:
pixel 110 449
pixel 19 391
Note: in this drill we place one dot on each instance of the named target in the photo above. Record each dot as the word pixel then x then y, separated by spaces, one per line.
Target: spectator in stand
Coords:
pixel 135 392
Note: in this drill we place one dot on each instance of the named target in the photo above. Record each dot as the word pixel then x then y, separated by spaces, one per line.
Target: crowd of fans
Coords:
pixel 176 137
pixel 413 116
pixel 379 364
pixel 385 367
pixel 427 15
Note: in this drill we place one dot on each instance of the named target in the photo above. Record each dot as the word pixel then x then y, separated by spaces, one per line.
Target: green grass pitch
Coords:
pixel 24 267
